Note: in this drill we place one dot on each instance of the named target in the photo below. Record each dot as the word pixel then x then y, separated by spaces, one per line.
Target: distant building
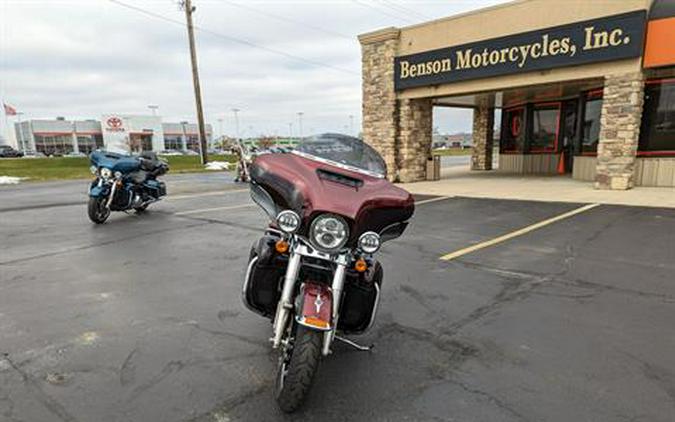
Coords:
pixel 456 140
pixel 133 133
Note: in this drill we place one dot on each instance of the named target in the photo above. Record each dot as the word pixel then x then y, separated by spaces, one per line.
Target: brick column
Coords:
pixel 620 119
pixel 483 135
pixel 415 130
pixel 379 97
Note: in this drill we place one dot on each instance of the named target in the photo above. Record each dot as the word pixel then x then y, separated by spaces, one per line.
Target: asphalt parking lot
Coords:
pixel 140 319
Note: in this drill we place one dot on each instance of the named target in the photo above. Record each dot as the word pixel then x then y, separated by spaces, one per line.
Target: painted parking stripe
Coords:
pixel 202 210
pixel 426 201
pixel 517 233
pixel 198 195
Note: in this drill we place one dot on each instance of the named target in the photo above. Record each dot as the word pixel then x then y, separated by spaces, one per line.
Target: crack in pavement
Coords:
pixel 501 404
pixel 51 404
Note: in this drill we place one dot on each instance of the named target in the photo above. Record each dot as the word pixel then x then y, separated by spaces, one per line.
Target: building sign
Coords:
pixel 610 38
pixel 115 133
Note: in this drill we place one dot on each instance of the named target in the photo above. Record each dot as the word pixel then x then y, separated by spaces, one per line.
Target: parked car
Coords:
pixel 7 151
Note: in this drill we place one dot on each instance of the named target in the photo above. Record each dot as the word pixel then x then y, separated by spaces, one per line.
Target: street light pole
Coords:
pixel 189 9
pixel 153 108
pixel 23 146
pixel 236 120
pixel 290 130
pixel 300 113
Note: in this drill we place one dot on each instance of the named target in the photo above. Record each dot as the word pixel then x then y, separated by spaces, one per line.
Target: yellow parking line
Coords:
pixel 517 233
pixel 232 207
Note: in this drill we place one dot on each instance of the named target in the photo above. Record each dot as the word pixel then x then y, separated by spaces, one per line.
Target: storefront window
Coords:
pixel 173 142
pixel 54 144
pixel 193 142
pixel 590 133
pixel 513 130
pixel 545 119
pixel 658 117
pixel 86 144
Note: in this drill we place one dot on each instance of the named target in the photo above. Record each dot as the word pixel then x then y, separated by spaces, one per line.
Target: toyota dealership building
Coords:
pixel 585 88
pixel 133 133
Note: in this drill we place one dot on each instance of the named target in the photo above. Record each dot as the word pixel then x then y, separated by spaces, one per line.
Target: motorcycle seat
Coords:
pixel 149 161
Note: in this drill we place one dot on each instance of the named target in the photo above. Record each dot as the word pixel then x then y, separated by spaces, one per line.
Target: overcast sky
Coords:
pixel 80 59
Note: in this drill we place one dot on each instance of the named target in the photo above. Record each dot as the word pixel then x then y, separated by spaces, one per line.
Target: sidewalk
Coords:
pixel 460 181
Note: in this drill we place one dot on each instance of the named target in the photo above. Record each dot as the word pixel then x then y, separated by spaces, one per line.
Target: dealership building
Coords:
pixel 584 88
pixel 133 133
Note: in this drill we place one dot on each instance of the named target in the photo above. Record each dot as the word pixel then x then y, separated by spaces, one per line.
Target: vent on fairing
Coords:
pixel 339 178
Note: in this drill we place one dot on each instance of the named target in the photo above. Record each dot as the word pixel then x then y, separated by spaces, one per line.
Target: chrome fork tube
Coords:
pixel 112 194
pixel 285 304
pixel 337 286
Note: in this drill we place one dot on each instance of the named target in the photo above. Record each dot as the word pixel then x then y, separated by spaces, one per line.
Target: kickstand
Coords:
pixel 355 345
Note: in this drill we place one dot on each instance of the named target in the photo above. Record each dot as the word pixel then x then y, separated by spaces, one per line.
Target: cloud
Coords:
pixel 85 58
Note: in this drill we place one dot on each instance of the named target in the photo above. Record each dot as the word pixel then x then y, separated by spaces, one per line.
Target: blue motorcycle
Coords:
pixel 124 182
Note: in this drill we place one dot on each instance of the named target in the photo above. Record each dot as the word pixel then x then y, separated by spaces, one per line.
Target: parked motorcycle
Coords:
pixel 124 182
pixel 313 272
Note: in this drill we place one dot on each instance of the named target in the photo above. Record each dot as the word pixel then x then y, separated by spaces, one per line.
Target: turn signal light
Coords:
pixel 281 246
pixel 316 322
pixel 360 265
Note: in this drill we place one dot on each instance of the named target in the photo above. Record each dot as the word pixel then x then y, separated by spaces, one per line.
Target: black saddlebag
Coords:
pixel 361 298
pixel 264 276
pixel 154 188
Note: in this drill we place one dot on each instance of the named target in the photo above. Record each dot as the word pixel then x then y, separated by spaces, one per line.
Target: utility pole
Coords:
pixel 189 9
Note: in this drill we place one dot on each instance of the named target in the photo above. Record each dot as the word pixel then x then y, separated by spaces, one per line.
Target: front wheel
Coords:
pixel 298 363
pixel 97 210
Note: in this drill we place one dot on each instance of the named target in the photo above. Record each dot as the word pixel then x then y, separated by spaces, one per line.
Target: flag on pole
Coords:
pixel 9 110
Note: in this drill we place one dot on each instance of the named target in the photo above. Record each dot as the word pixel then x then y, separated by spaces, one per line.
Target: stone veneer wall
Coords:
pixel 415 129
pixel 380 111
pixel 483 135
pixel 620 118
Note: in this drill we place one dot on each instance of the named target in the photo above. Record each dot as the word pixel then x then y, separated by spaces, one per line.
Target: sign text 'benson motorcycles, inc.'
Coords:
pixel 610 38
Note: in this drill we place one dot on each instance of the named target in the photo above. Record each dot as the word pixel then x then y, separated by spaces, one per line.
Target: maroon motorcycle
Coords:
pixel 313 272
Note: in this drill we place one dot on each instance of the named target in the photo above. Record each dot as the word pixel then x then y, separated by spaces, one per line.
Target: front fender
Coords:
pixel 315 305
pixel 98 189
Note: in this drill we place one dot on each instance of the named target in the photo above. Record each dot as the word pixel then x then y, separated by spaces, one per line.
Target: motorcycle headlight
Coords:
pixel 118 174
pixel 369 242
pixel 329 232
pixel 106 173
pixel 288 221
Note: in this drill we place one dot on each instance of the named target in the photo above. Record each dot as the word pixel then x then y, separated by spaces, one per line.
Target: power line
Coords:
pixel 288 20
pixel 232 39
pixel 402 9
pixel 370 6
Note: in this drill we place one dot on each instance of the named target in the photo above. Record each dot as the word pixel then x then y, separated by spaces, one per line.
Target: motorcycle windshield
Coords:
pixel 343 151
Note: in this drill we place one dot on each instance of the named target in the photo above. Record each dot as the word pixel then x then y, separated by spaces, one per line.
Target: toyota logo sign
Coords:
pixel 114 124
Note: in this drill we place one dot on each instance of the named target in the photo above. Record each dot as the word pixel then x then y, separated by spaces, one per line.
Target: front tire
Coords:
pixel 97 210
pixel 298 363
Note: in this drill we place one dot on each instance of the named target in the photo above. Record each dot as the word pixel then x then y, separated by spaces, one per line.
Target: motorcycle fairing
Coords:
pixel 309 187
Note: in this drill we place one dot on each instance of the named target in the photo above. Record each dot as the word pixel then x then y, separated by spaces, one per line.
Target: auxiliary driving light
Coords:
pixel 288 221
pixel 369 242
